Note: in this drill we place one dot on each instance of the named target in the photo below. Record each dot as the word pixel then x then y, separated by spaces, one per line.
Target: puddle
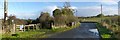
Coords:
pixel 94 31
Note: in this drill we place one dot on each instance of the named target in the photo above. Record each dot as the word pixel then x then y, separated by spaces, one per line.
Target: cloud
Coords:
pixel 95 10
pixel 1 10
pixel 23 15
pixel 109 2
pixel 81 11
pixel 27 15
pixel 50 9
pixel 60 0
pixel 87 11
pixel 110 10
pixel 73 7
pixel 1 14
pixel 51 0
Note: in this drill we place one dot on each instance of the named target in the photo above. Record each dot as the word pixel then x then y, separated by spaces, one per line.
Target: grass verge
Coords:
pixel 104 32
pixel 41 33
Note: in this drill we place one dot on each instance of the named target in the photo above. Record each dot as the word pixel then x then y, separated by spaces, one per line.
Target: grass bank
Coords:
pixel 58 30
pixel 104 32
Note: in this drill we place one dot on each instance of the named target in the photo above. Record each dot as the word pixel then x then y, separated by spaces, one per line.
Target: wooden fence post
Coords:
pixel 36 26
pixel 24 28
pixel 33 27
pixel 28 27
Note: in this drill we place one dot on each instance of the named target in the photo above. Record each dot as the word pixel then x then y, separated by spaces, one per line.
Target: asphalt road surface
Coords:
pixel 80 32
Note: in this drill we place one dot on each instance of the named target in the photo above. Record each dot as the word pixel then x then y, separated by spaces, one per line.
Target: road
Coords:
pixel 79 32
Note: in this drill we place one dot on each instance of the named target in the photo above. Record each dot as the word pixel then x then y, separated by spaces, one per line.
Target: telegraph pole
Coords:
pixel 101 8
pixel 5 10
pixel 5 14
pixel 101 13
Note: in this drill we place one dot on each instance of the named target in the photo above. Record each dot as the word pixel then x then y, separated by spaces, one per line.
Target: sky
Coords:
pixel 31 9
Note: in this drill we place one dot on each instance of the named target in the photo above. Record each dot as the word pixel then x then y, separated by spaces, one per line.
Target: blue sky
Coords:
pixel 32 10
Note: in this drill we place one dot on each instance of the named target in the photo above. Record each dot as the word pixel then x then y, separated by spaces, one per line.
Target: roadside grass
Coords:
pixel 95 19
pixel 104 32
pixel 106 35
pixel 58 30
pixel 26 34
pixel 41 33
pixel 66 28
pixel 0 36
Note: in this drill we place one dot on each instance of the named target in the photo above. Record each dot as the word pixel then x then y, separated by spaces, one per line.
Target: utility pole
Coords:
pixel 101 8
pixel 101 13
pixel 5 10
pixel 5 14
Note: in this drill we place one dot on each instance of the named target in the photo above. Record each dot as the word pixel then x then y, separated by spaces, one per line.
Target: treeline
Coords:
pixel 13 20
pixel 99 15
pixel 64 16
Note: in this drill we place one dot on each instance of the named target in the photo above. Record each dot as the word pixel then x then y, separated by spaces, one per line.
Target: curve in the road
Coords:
pixel 83 31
